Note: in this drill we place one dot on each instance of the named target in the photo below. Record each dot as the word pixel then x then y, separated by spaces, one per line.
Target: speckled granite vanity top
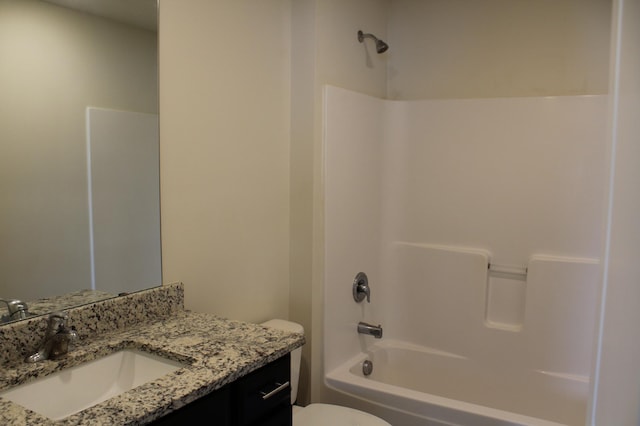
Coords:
pixel 217 351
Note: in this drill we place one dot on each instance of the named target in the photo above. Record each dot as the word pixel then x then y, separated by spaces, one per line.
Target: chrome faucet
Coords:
pixel 17 308
pixel 56 340
pixel 372 330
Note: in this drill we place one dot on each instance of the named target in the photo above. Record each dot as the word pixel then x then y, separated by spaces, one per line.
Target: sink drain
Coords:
pixel 367 367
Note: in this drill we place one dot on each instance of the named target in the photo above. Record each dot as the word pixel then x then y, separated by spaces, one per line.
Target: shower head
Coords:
pixel 381 46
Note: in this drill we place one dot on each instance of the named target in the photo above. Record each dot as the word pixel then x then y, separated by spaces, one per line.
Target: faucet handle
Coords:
pixel 56 322
pixel 361 288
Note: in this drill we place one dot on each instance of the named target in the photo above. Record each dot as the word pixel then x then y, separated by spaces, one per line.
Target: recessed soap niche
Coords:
pixel 506 293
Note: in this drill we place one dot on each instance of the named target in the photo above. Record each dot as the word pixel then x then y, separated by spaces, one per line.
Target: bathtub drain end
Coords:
pixel 367 367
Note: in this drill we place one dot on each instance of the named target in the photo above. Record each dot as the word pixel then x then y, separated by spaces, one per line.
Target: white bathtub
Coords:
pixel 434 387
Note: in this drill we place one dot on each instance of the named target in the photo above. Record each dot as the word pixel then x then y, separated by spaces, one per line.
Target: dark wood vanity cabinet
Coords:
pixel 261 398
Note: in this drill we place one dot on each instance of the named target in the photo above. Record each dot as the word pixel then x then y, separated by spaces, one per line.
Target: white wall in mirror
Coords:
pixel 124 199
pixel 54 62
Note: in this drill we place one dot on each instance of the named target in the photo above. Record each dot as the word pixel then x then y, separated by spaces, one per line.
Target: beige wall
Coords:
pixel 495 48
pixel 54 62
pixel 341 59
pixel 303 63
pixel 224 123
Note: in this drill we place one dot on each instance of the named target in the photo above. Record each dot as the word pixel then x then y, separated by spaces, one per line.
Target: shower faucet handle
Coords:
pixel 361 288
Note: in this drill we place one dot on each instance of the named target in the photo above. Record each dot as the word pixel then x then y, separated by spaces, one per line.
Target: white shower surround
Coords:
pixel 423 195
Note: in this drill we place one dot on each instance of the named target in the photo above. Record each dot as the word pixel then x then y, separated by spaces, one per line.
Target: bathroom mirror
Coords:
pixel 79 151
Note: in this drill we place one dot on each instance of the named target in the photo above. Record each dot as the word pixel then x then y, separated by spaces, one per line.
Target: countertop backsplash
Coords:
pixel 20 339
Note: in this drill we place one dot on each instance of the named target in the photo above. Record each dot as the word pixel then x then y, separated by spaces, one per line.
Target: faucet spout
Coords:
pixel 56 339
pixel 372 330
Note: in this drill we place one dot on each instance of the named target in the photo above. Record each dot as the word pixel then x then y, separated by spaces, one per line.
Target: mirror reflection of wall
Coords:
pixel 54 63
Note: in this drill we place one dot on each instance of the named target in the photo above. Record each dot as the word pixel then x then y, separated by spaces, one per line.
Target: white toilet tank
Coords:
pixel 296 354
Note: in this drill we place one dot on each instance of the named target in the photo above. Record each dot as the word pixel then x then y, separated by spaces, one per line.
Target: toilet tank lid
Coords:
pixel 284 325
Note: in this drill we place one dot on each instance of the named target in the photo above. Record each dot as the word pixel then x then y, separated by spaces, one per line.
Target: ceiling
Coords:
pixel 139 13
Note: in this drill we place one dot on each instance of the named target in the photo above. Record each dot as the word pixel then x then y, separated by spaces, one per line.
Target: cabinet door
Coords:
pixel 281 417
pixel 264 395
pixel 210 410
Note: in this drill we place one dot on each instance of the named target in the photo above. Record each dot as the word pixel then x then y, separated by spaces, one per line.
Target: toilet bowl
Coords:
pixel 318 414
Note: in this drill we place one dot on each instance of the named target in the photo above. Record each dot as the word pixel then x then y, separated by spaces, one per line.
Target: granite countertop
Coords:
pixel 217 350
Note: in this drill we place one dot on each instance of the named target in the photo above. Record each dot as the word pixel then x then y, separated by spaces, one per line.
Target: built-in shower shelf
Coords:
pixel 506 291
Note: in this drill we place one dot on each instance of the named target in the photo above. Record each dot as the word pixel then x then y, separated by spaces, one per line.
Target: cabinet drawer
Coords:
pixel 265 394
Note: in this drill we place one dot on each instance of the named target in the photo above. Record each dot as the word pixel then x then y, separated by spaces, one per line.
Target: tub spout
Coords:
pixel 372 330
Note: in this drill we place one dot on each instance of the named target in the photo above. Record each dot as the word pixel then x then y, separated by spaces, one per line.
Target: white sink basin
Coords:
pixel 74 389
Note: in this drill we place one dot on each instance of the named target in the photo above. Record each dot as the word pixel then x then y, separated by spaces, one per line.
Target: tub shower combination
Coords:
pixel 476 225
